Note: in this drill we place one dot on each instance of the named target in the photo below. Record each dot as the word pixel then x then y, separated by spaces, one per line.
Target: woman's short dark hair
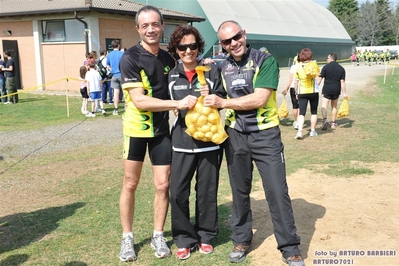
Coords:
pixel 178 35
pixel 305 55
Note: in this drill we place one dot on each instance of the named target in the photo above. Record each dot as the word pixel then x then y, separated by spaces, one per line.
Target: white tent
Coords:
pixel 301 18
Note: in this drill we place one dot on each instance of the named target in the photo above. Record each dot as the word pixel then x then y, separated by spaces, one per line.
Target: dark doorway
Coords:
pixel 13 47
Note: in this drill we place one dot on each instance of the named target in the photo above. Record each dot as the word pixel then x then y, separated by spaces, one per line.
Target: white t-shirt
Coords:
pixel 93 80
pixel 292 71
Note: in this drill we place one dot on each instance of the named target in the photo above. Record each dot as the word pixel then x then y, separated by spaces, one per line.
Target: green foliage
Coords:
pixel 385 14
pixel 347 12
pixel 369 26
pixel 373 23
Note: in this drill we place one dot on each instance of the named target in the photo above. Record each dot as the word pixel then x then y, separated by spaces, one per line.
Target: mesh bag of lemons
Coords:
pixel 343 108
pixel 283 110
pixel 311 70
pixel 204 123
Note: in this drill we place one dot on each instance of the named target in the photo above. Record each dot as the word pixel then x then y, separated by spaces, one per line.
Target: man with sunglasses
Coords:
pixel 144 70
pixel 251 79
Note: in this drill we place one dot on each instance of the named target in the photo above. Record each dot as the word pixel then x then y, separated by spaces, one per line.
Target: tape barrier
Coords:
pixel 43 85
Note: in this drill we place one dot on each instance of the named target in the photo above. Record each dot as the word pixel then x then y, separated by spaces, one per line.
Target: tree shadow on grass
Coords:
pixel 14 260
pixel 21 229
pixel 31 99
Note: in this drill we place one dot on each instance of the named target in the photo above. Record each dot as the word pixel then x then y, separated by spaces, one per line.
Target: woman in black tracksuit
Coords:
pixel 189 155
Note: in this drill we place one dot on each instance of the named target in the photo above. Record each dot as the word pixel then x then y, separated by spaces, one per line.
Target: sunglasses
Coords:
pixel 183 47
pixel 235 37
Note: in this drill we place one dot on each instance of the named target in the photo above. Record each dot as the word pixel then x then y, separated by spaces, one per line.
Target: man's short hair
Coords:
pixel 7 53
pixel 146 9
pixel 333 56
pixel 115 43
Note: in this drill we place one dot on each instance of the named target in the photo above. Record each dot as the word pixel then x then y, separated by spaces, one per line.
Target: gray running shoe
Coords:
pixel 127 249
pixel 158 243
pixel 115 112
pixel 239 253
pixel 294 261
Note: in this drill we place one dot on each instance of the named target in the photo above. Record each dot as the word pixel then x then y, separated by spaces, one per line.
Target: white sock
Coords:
pixel 127 234
pixel 155 233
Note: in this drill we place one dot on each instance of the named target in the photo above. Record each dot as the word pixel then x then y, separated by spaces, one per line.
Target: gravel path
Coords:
pixel 61 137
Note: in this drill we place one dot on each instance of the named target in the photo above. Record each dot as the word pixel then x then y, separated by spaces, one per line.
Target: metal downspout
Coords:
pixel 86 28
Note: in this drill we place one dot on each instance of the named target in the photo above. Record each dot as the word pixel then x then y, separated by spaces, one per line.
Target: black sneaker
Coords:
pixel 325 124
pixel 239 252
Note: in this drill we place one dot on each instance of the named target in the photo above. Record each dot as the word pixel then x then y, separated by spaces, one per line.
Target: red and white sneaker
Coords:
pixel 183 253
pixel 205 248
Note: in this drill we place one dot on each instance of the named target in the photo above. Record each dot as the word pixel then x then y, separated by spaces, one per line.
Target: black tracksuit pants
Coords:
pixel 205 166
pixel 266 150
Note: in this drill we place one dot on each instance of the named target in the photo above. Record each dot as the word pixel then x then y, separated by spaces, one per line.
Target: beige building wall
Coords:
pixel 62 60
pixel 22 32
pixel 118 29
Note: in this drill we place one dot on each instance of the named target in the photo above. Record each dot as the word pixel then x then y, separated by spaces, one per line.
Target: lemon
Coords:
pixel 188 118
pixel 191 129
pixel 206 110
pixel 205 128
pixel 198 135
pixel 198 107
pixel 215 137
pixel 213 118
pixel 209 135
pixel 202 120
pixel 194 117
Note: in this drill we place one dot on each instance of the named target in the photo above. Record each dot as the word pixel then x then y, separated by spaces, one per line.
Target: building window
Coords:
pixel 168 30
pixel 69 30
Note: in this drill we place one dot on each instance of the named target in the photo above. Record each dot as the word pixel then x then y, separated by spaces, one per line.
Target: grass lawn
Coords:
pixel 72 217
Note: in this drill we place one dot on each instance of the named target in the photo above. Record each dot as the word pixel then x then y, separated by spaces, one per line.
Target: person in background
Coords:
pixel 3 90
pixel 290 88
pixel 353 59
pixel 306 89
pixel 113 60
pixel 358 55
pixel 334 84
pixel 190 155
pixel 254 136
pixel 9 73
pixel 83 91
pixel 144 69
pixel 92 56
pixel 93 79
pixel 106 85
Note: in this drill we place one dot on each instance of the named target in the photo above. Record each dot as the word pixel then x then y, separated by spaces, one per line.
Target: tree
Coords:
pixel 384 16
pixel 393 24
pixel 369 26
pixel 347 12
